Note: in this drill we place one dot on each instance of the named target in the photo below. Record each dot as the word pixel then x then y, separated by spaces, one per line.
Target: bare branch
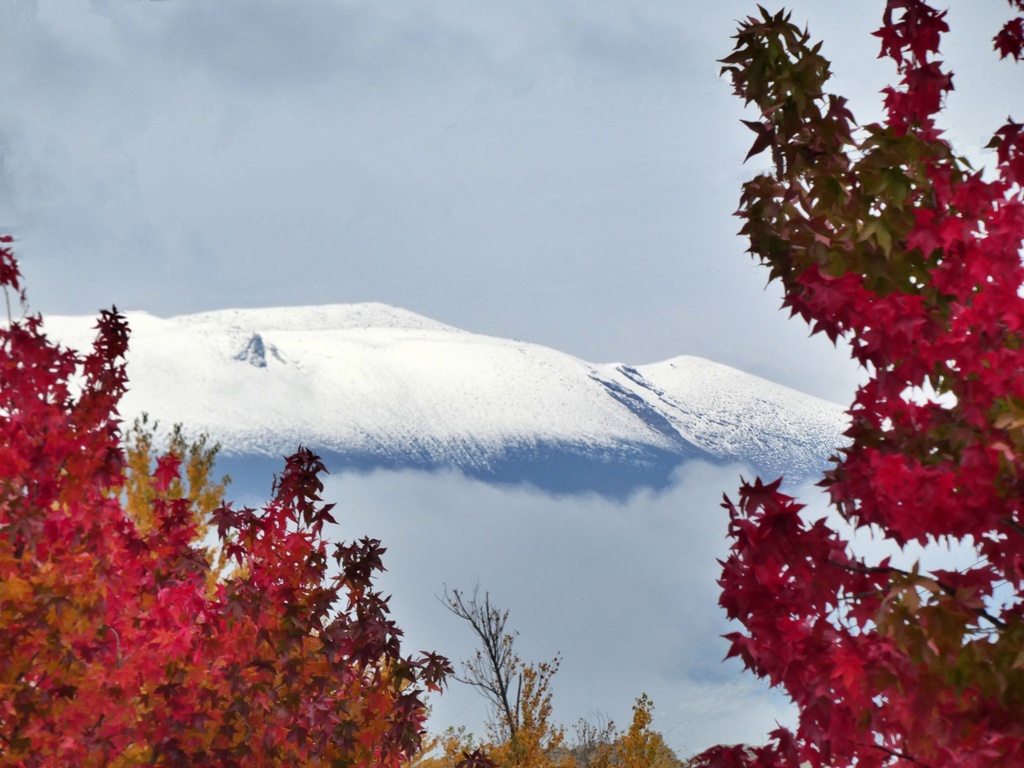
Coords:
pixel 495 669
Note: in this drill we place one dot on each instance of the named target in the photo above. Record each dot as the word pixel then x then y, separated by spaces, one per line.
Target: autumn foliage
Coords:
pixel 882 236
pixel 541 743
pixel 114 648
pixel 521 731
pixel 195 481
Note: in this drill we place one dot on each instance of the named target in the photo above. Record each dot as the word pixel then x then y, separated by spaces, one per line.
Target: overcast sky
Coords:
pixel 558 172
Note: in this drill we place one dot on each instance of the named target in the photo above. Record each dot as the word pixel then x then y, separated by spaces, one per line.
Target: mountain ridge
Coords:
pixel 379 387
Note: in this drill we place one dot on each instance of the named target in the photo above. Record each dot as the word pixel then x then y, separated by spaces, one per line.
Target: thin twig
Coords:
pixel 894 753
pixel 1012 524
pixel 980 612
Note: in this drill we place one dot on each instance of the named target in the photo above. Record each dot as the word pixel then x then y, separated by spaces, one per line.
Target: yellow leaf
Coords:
pixel 15 589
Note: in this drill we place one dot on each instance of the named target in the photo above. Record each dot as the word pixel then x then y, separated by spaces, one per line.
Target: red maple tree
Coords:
pixel 114 648
pixel 883 236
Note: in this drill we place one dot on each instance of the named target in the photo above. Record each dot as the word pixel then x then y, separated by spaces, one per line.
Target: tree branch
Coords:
pixel 949 590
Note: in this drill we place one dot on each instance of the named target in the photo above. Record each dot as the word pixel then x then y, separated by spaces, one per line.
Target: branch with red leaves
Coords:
pixel 114 650
pixel 882 236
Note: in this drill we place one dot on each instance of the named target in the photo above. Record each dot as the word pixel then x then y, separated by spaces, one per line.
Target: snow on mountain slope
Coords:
pixel 372 385
pixel 734 415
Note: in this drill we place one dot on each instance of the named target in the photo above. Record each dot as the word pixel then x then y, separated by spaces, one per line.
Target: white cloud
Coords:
pixel 625 592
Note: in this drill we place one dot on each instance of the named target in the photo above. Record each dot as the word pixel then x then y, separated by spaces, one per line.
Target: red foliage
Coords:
pixel 113 651
pixel 892 242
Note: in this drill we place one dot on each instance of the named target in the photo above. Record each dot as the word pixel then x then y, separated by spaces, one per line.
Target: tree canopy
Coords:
pixel 883 236
pixel 116 646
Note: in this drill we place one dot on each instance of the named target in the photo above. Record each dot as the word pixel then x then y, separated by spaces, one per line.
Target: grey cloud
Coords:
pixel 277 46
pixel 563 173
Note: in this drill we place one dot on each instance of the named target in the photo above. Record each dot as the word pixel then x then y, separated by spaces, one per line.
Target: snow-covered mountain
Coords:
pixel 373 386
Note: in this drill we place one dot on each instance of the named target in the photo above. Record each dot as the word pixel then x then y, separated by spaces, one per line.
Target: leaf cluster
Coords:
pixel 882 236
pixel 117 647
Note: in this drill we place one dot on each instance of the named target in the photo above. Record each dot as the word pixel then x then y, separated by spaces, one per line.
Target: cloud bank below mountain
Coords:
pixel 624 591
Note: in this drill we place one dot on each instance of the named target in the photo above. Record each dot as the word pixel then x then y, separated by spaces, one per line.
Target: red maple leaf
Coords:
pixel 166 472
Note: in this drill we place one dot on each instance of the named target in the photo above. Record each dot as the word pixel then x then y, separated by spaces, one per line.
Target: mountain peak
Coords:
pixel 325 317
